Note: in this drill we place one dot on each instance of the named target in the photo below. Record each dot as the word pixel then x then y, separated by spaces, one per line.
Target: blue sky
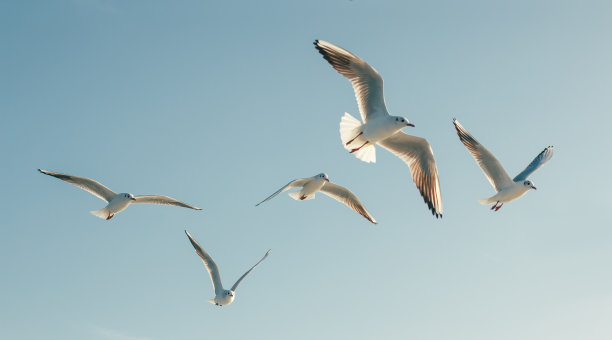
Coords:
pixel 220 103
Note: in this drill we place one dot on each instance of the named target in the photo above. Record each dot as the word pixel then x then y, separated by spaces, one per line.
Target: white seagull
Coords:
pixel 116 202
pixel 222 296
pixel 321 183
pixel 379 127
pixel 507 189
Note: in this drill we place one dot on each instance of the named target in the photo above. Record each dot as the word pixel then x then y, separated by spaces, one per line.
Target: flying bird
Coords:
pixel 320 183
pixel 379 127
pixel 507 189
pixel 222 296
pixel 116 202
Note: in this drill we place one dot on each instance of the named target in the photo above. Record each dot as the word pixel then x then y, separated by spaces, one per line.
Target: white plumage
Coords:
pixel 379 127
pixel 116 202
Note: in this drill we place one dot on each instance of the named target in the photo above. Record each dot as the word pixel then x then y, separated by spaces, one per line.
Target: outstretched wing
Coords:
pixel 86 184
pixel 344 195
pixel 367 83
pixel 211 266
pixel 497 176
pixel 157 199
pixel 417 154
pixel 293 184
pixel 537 162
pixel 248 271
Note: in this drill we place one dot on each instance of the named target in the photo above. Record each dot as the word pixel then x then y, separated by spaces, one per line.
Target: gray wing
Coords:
pixel 342 194
pixel 293 184
pixel 418 155
pixel 493 170
pixel 157 199
pixel 248 271
pixel 367 83
pixel 211 266
pixel 537 162
pixel 86 184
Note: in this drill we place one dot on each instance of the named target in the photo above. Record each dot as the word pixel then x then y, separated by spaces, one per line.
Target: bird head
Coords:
pixel 529 184
pixel 128 196
pixel 322 176
pixel 402 121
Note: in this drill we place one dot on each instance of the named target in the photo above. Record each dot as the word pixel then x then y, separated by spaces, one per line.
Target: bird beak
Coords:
pixel 534 188
pixel 133 198
pixel 410 124
pixel 327 179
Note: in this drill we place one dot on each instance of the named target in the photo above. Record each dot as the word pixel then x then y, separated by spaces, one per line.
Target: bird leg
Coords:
pixel 499 206
pixel 495 205
pixel 349 142
pixel 303 197
pixel 353 150
pixel 110 216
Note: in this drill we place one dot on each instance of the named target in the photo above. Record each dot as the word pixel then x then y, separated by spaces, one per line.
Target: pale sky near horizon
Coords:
pixel 219 104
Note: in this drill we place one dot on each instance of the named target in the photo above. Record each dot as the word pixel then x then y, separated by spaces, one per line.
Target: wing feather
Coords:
pixel 367 83
pixel 165 200
pixel 210 265
pixel 343 195
pixel 84 183
pixel 537 162
pixel 248 271
pixel 293 184
pixel 492 168
pixel 418 155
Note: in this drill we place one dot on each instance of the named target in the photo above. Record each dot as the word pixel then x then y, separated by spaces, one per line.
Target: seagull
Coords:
pixel 222 296
pixel 507 189
pixel 116 202
pixel 320 182
pixel 379 127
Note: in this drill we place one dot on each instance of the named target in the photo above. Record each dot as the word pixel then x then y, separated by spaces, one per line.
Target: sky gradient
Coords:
pixel 219 104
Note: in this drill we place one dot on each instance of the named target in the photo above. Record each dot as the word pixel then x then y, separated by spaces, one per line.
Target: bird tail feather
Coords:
pixel 487 200
pixel 101 213
pixel 350 128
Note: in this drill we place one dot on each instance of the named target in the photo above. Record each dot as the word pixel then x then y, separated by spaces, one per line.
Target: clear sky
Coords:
pixel 220 103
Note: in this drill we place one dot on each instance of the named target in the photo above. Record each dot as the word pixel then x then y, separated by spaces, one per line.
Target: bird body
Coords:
pixel 223 296
pixel 382 127
pixel 224 299
pixel 320 183
pixel 310 188
pixel 114 206
pixel 116 202
pixel 379 127
pixel 507 189
pixel 353 134
pixel 508 194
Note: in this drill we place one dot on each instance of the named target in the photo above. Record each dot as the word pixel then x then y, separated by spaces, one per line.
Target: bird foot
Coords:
pixel 499 206
pixel 349 142
pixel 357 149
pixel 303 197
pixel 110 216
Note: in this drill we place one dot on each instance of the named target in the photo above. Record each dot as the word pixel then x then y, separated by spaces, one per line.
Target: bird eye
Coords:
pixel 402 119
